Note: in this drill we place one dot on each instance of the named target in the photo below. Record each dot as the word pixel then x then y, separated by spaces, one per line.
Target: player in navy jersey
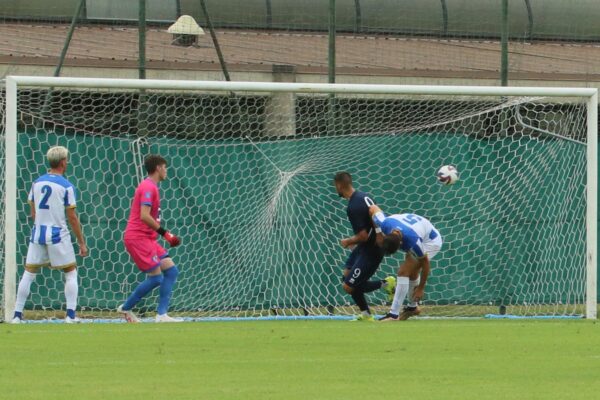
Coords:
pixel 366 254
pixel 421 241
pixel 52 203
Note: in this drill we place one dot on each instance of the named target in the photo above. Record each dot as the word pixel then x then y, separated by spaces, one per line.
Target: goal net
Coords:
pixel 250 191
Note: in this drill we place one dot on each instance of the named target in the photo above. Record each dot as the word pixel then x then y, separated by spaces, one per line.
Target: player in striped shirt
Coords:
pixel 52 203
pixel 421 241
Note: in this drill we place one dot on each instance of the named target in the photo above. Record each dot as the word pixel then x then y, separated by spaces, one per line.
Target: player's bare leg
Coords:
pixel 408 268
pixel 412 308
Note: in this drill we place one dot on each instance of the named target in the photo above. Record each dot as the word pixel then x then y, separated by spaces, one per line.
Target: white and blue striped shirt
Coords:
pixel 50 195
pixel 416 230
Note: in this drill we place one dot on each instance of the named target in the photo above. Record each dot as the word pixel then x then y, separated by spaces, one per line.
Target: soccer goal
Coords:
pixel 250 190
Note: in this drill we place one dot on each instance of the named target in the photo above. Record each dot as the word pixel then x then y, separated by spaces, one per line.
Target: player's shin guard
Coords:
pixel 360 300
pixel 23 292
pixel 166 288
pixel 411 289
pixel 71 290
pixel 141 290
pixel 400 295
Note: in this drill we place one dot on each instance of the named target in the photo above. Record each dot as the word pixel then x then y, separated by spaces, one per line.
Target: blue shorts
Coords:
pixel 362 263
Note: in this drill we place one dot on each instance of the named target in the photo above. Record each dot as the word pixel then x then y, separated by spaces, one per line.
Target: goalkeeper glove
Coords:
pixel 169 237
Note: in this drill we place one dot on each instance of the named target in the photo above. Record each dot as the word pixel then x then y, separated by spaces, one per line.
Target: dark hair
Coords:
pixel 391 243
pixel 343 177
pixel 152 162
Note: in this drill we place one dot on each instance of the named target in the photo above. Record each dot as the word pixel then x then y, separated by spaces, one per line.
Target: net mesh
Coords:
pixel 250 193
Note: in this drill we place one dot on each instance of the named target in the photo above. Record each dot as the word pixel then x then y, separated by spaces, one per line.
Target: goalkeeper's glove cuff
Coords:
pixel 161 231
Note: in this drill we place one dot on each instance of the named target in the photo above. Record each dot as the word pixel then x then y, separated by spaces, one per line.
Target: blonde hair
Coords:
pixel 56 154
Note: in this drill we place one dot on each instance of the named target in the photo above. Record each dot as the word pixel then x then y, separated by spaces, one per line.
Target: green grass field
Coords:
pixel 418 359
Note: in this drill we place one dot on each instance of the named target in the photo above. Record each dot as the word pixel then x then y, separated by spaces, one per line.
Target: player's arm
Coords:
pixel 147 218
pixel 76 227
pixel 361 236
pixel 377 217
pixel 361 232
pixel 32 210
pixel 361 224
pixel 374 209
pixel 31 204
pixel 425 269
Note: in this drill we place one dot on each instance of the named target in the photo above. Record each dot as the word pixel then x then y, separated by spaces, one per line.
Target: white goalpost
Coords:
pixel 250 190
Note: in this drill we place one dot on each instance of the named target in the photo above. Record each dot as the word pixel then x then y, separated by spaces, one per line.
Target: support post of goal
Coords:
pixel 592 207
pixel 10 200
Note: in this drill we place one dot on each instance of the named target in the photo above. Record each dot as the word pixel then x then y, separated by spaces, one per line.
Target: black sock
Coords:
pixel 371 286
pixel 359 299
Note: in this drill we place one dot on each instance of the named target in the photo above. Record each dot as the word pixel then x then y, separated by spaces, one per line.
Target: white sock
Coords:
pixel 23 291
pixel 411 289
pixel 366 313
pixel 71 289
pixel 400 295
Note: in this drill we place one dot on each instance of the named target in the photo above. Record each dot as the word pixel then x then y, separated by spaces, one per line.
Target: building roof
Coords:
pixel 112 46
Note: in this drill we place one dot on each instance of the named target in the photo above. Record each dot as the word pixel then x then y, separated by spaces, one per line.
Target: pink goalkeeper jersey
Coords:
pixel 145 194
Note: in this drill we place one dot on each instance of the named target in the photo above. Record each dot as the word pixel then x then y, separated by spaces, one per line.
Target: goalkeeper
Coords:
pixel 419 239
pixel 150 257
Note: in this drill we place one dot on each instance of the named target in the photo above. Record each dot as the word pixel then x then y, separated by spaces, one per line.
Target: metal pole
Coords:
pixel 10 200
pixel 269 14
pixel 331 41
pixel 530 20
pixel 592 209
pixel 63 54
pixel 444 17
pixel 215 41
pixel 504 45
pixel 178 8
pixel 357 17
pixel 142 39
pixel 331 66
pixel 430 90
pixel 61 59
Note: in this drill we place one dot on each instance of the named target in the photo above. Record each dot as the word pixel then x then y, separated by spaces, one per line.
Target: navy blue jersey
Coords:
pixel 358 214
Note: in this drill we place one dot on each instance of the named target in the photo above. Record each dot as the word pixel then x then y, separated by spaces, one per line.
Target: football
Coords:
pixel 447 175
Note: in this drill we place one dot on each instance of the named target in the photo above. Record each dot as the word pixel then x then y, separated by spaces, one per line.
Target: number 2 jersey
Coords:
pixel 417 231
pixel 51 194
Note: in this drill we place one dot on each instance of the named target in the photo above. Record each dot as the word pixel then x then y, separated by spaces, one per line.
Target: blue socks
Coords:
pixel 166 288
pixel 143 289
pixel 166 281
pixel 70 313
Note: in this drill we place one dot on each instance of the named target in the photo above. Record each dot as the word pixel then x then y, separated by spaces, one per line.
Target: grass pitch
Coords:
pixel 417 359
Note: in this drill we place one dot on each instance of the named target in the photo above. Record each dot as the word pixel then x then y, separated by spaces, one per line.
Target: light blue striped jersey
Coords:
pixel 416 230
pixel 51 195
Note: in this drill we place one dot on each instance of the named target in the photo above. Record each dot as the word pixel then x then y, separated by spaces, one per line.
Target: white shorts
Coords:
pixel 432 247
pixel 60 255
